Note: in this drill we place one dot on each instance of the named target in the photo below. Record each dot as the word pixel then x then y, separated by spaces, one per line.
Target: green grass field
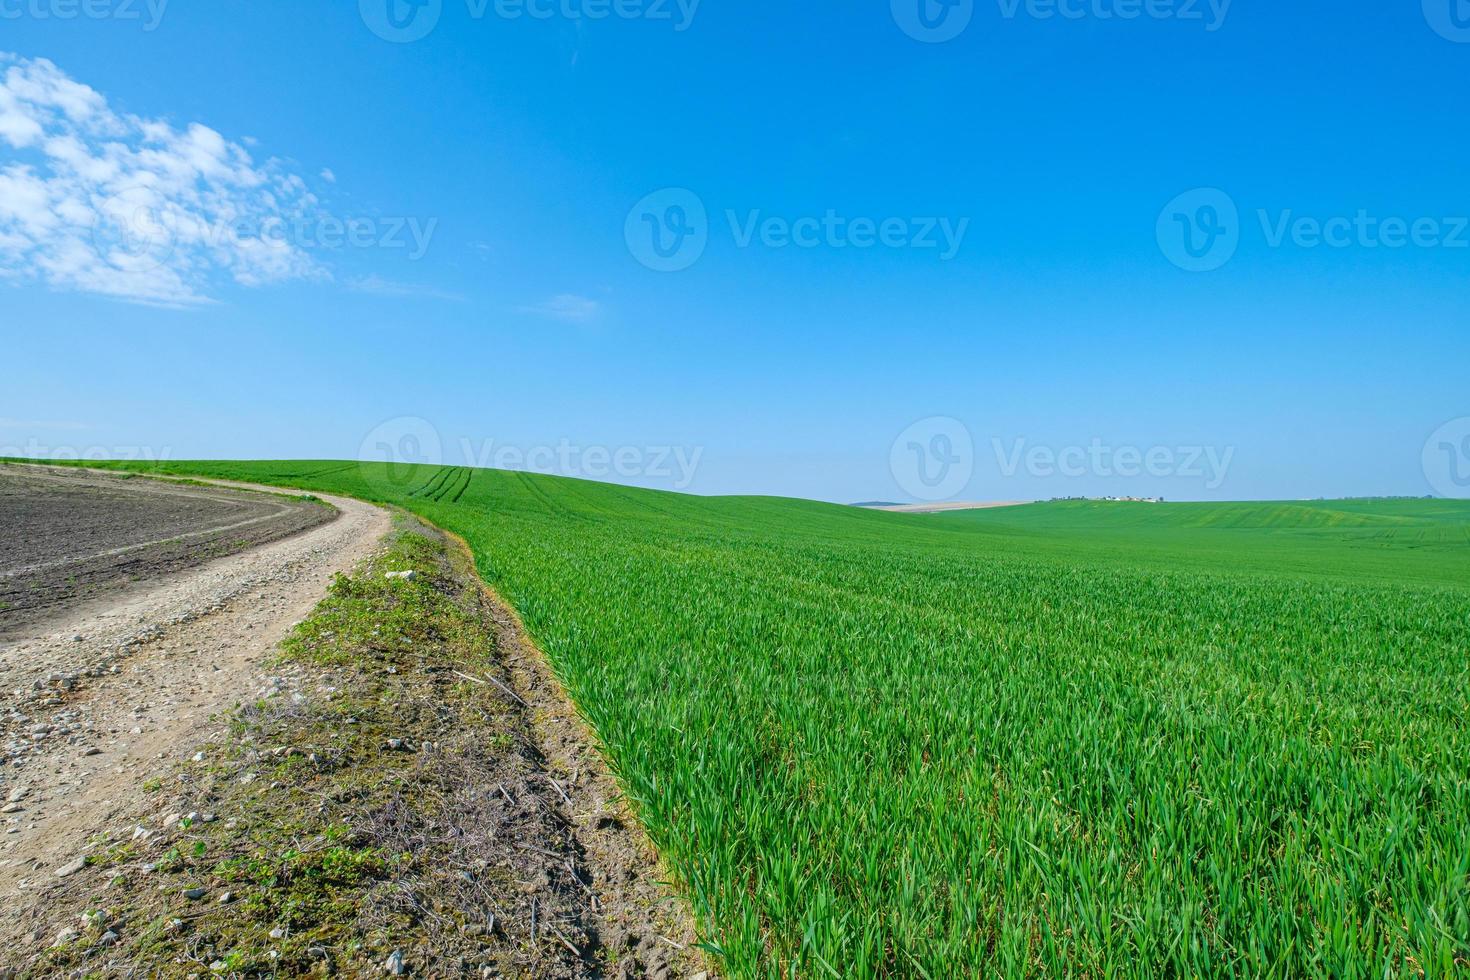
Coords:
pixel 1064 739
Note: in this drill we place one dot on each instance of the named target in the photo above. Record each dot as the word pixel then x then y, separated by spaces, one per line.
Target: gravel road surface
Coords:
pixel 107 686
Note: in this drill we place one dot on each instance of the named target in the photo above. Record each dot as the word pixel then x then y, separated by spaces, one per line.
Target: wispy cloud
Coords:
pixel 379 286
pixel 99 201
pixel 566 307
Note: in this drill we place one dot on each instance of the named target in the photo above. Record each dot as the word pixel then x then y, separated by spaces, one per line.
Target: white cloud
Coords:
pixel 104 202
pixel 328 175
pixel 567 307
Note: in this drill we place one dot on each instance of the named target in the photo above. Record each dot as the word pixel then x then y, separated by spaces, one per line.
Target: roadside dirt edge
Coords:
pixel 604 822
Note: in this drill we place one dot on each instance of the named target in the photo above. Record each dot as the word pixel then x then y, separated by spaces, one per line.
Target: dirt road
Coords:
pixel 102 684
pixel 159 695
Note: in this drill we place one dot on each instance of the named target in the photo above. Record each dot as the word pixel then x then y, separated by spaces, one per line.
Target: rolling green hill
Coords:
pixel 1061 739
pixel 1392 540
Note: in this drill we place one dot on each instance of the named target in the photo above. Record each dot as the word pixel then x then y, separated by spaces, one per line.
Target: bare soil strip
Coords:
pixel 644 925
pixel 946 507
pixel 71 536
pixel 404 789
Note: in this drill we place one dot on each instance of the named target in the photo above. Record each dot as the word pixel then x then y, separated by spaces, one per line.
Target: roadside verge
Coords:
pixel 414 796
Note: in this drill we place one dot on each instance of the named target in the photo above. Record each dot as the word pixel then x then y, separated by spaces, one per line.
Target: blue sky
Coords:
pixel 1061 317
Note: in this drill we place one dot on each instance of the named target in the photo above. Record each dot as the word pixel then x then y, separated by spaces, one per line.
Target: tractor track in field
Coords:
pixel 447 485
